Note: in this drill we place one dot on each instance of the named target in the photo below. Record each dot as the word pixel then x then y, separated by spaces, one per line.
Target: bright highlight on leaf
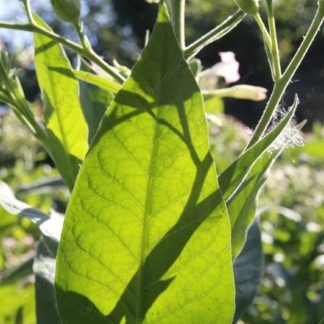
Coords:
pixel 146 237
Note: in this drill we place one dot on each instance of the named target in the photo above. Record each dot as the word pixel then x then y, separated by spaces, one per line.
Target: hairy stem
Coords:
pixel 275 49
pixel 264 30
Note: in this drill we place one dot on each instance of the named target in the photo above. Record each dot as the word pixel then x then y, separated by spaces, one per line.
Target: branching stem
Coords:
pixel 281 85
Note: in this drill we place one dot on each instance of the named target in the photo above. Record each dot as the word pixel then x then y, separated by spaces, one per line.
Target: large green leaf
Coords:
pixel 146 236
pixel 67 140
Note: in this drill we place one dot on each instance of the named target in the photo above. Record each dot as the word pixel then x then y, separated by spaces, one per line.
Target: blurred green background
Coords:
pixel 291 207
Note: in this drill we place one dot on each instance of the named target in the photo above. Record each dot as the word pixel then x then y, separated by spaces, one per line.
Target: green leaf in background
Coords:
pixel 248 270
pixel 17 294
pixel 65 123
pixel 44 270
pixel 17 303
pixel 214 106
pixel 146 237
pixel 231 179
pixel 314 149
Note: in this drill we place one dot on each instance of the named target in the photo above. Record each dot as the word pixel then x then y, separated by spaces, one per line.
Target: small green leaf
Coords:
pixel 67 140
pixel 248 270
pixel 242 206
pixel 146 236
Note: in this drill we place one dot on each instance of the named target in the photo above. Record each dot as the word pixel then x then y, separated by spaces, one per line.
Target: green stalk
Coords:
pixel 264 30
pixel 216 33
pixel 88 53
pixel 178 20
pixel 29 12
pixel 275 49
pixel 83 38
pixel 281 85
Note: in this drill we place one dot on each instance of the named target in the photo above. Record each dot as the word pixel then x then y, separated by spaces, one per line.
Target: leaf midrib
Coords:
pixel 147 213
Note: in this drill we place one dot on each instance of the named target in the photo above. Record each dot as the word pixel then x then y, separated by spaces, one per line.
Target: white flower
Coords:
pixel 228 69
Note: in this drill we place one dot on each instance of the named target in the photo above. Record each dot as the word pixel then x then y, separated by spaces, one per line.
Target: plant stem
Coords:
pixel 83 38
pixel 88 53
pixel 264 30
pixel 302 50
pixel 178 20
pixel 216 33
pixel 29 12
pixel 281 85
pixel 275 49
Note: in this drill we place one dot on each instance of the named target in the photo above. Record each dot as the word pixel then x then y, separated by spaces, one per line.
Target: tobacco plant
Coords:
pixel 152 234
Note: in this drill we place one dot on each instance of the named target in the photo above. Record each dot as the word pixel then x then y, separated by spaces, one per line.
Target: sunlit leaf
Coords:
pixel 146 237
pixel 67 139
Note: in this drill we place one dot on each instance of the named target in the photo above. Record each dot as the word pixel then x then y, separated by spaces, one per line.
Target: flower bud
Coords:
pixel 67 10
pixel 251 7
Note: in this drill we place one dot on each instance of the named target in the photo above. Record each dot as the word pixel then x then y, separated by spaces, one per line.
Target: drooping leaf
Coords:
pixel 44 270
pixel 231 179
pixel 146 237
pixel 248 270
pixel 50 227
pixel 67 140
